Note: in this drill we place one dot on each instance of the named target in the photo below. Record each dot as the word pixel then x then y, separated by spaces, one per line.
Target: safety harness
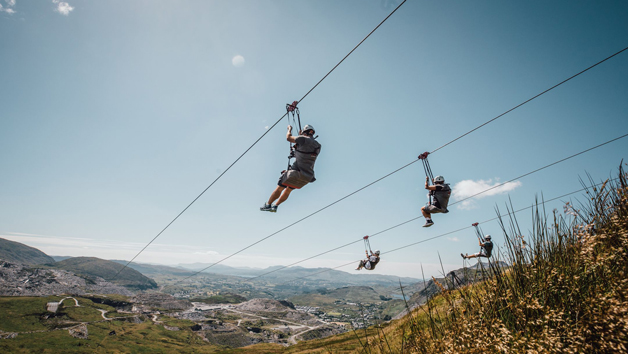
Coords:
pixel 478 232
pixel 369 252
pixel 488 248
pixel 291 108
pixel 428 171
pixel 367 244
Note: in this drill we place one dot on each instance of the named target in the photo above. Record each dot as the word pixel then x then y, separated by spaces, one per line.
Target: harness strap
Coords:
pixel 292 108
pixel 428 171
pixel 367 243
pixel 478 231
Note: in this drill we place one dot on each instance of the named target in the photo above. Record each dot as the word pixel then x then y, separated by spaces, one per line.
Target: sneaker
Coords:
pixel 273 209
pixel 463 256
pixel 267 207
pixel 428 223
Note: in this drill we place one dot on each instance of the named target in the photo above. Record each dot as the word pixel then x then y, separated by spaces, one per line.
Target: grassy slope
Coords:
pixel 91 266
pixel 20 253
pixel 23 314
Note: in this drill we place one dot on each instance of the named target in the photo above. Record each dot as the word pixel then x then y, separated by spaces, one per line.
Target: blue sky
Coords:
pixel 115 115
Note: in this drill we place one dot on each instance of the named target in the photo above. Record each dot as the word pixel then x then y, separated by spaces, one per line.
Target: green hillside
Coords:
pixel 16 252
pixel 36 330
pixel 96 267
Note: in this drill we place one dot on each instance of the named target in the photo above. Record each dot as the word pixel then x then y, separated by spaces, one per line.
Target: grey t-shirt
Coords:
pixel 306 151
pixel 441 195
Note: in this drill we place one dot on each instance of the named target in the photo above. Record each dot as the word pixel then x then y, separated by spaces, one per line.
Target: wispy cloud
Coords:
pixel 9 7
pixel 62 7
pixel 468 188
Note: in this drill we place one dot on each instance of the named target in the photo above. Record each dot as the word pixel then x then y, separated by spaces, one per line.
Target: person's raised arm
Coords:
pixel 289 136
pixel 427 186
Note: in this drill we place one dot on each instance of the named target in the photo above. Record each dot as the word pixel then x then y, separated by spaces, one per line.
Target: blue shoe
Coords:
pixel 267 207
pixel 273 209
pixel 428 223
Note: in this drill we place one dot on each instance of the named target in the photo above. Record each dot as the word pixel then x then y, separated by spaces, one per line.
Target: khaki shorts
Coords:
pixel 432 209
pixel 291 179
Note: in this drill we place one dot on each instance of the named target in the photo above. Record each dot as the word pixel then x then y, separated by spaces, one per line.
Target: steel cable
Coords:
pixel 432 238
pixel 419 217
pixel 256 141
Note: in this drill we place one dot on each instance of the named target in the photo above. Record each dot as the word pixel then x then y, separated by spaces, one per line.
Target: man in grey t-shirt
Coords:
pixel 306 150
pixel 439 196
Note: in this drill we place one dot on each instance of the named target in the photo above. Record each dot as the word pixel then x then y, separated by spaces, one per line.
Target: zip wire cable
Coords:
pixel 256 141
pixel 294 223
pixel 467 133
pixel 354 48
pixel 521 104
pixel 542 168
pixel 456 202
pixel 439 236
pixel 368 185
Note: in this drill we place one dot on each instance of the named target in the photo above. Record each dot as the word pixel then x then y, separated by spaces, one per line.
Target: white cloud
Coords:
pixel 207 252
pixel 8 9
pixel 468 188
pixel 454 239
pixel 63 7
pixel 237 61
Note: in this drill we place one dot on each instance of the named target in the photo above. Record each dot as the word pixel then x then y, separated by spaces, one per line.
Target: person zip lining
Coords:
pixel 305 151
pixel 371 260
pixel 438 195
pixel 486 245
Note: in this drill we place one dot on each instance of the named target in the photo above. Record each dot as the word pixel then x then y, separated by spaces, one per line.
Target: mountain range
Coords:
pixel 136 276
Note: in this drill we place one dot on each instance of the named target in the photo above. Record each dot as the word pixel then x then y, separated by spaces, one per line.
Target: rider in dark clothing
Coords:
pixel 306 150
pixel 439 196
pixel 485 250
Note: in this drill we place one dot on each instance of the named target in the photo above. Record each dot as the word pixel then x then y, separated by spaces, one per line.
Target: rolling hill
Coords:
pixel 96 267
pixel 330 277
pixel 20 253
pixel 149 269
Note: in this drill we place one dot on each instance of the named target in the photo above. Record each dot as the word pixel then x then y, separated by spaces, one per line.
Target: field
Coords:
pixel 41 331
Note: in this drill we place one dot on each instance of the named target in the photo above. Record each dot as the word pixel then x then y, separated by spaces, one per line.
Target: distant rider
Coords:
pixel 306 150
pixel 485 250
pixel 439 196
pixel 370 262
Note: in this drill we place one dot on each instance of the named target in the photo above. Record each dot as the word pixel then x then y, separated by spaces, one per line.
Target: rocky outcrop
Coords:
pixel 20 280
pixel 160 301
pixel 7 335
pixel 79 331
pixel 263 305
